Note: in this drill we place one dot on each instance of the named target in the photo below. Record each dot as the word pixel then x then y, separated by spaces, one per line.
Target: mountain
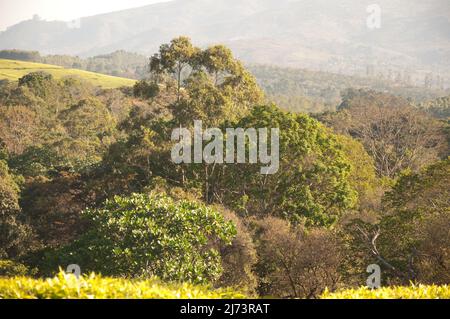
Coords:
pixel 319 34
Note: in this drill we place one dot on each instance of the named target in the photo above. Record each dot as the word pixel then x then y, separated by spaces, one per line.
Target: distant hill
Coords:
pixel 321 34
pixel 13 70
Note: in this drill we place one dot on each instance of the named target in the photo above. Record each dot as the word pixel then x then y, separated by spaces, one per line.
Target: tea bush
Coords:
pixel 413 292
pixel 65 286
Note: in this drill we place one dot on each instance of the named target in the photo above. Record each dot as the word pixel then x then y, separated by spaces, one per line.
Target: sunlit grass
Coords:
pixel 13 70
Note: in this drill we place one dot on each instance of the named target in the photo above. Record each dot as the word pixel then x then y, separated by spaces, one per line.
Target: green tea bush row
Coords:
pixel 67 286
pixel 413 292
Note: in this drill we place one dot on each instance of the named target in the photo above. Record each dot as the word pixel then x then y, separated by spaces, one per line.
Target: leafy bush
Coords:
pixel 65 286
pixel 413 292
pixel 295 262
pixel 9 268
pixel 145 90
pixel 416 219
pixel 151 235
pixel 14 235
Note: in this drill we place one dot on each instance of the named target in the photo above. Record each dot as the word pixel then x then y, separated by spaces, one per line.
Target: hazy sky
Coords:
pixel 14 11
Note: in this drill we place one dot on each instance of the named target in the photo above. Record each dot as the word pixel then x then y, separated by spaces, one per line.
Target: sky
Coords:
pixel 14 11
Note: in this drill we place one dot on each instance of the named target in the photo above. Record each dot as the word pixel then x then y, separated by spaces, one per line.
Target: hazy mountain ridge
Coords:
pixel 314 34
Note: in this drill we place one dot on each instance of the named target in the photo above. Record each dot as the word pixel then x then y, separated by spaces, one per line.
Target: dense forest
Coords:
pixel 86 176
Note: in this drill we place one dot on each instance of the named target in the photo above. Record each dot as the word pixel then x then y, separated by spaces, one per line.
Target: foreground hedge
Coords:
pixel 65 286
pixel 413 292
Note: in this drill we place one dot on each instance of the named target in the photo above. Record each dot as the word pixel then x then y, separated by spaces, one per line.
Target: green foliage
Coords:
pixel 36 161
pixel 145 90
pixel 414 292
pixel 363 177
pixel 152 235
pixel 9 268
pixel 65 286
pixel 35 79
pixel 439 108
pixel 417 219
pixel 21 55
pixel 41 83
pixel 312 184
pixel 215 84
pixel 77 145
pixel 47 123
pixel 87 118
pixel 53 205
pixel 14 235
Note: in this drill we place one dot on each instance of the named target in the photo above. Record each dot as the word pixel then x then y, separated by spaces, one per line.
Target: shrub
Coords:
pixel 145 90
pixel 14 235
pixel 9 268
pixel 65 286
pixel 413 292
pixel 239 258
pixel 294 262
pixel 151 235
pixel 416 219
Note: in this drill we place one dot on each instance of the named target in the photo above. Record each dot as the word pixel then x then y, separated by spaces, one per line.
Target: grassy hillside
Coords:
pixel 13 70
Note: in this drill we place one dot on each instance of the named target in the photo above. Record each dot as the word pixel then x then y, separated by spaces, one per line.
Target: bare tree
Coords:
pixel 397 135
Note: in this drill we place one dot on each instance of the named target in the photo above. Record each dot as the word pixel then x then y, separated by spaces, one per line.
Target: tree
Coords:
pixel 152 235
pixel 417 209
pixel 312 185
pixel 145 90
pixel 206 102
pixel 294 263
pixel 410 239
pixel 439 108
pixel 20 55
pixel 238 259
pixel 14 234
pixel 19 128
pixel 53 207
pixel 40 82
pixel 363 178
pixel 219 61
pixel 90 127
pixel 174 58
pixel 395 134
pixel 214 83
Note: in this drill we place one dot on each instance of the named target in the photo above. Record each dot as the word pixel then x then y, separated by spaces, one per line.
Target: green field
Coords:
pixel 13 70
